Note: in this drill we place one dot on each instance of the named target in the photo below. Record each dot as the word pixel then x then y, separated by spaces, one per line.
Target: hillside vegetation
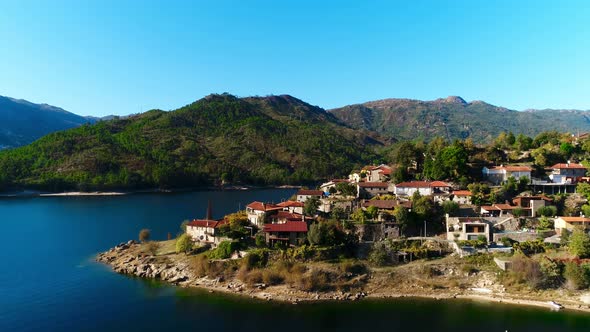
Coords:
pixel 220 138
pixel 454 118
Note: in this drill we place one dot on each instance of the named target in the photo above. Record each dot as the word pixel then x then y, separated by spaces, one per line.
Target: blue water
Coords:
pixel 50 282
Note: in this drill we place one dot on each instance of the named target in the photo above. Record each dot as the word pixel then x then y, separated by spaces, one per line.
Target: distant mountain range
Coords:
pixel 453 117
pixel 22 122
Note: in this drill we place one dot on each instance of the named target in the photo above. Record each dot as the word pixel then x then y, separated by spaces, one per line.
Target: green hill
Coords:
pixel 453 117
pixel 270 140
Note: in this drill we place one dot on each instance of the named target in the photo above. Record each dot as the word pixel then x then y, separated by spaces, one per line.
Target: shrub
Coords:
pixel 528 271
pixel 380 254
pixel 152 247
pixel 576 276
pixel 579 243
pixel 224 250
pixel 184 244
pixel 260 240
pixel 255 259
pixel 354 267
pixel 199 265
pixel 144 235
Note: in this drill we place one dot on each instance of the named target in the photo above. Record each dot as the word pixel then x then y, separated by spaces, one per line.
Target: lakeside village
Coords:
pixel 368 235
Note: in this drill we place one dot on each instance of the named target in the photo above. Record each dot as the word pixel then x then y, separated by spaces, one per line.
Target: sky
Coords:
pixel 121 57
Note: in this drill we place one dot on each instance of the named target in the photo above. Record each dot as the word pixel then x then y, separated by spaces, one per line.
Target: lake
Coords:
pixel 50 282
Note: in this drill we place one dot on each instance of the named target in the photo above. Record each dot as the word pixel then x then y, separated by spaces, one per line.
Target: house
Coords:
pixel 259 212
pixel 531 204
pixel 379 173
pixel 385 206
pixel 292 206
pixel 372 189
pixel 425 188
pixel 327 204
pixel 497 210
pixel 468 228
pixel 289 233
pixel 571 223
pixel 462 197
pixel 500 174
pixel 325 187
pixel 282 217
pixel 305 194
pixel 206 231
pixel 567 173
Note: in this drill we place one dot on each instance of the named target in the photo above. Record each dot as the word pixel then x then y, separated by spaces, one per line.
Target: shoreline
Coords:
pixel 34 193
pixel 127 259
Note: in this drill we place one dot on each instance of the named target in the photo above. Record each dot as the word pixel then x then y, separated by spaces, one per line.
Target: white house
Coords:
pixel 467 228
pixel 205 231
pixel 571 223
pixel 499 174
pixel 462 197
pixel 567 173
pixel 258 212
pixel 425 188
pixel 292 206
pixel 304 194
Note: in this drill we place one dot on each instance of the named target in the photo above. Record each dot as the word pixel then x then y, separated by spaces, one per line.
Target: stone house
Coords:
pixel 372 189
pixel 531 204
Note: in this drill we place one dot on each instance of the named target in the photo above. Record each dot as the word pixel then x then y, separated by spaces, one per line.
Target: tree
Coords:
pixel 579 244
pixel 184 244
pixel 576 276
pixel 183 226
pixel 451 208
pixel 144 235
pixel 372 212
pixel 359 216
pixel 402 217
pixel 338 213
pixel 517 212
pixel 346 189
pixel 545 223
pixel 311 205
pixel 547 211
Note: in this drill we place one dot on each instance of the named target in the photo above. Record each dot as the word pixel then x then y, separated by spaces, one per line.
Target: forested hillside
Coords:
pixel 220 138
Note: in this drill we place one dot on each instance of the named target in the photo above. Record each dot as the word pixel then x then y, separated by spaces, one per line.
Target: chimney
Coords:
pixel 209 215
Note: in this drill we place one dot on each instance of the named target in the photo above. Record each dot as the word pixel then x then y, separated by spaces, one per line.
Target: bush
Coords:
pixel 576 276
pixel 260 240
pixel 184 244
pixel 144 235
pixel 152 247
pixel 224 250
pixel 579 243
pixel 380 254
pixel 255 259
pixel 528 271
pixel 355 268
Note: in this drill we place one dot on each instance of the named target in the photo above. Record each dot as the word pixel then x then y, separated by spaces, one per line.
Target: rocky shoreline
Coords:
pixel 129 259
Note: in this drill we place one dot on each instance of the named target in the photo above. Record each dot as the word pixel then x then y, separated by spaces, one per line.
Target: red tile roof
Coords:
pixel 462 193
pixel 291 204
pixel 207 223
pixel 489 208
pixel 289 226
pixel 306 192
pixel 513 168
pixel 373 184
pixel 570 165
pixel 288 216
pixel 260 206
pixel 422 184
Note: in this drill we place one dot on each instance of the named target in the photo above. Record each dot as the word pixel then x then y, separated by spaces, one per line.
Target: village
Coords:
pixel 378 210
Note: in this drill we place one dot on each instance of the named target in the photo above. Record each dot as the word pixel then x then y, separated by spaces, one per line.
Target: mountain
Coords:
pixel 22 122
pixel 453 117
pixel 254 140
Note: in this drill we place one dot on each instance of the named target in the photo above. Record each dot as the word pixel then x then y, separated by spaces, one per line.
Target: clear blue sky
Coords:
pixel 120 57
